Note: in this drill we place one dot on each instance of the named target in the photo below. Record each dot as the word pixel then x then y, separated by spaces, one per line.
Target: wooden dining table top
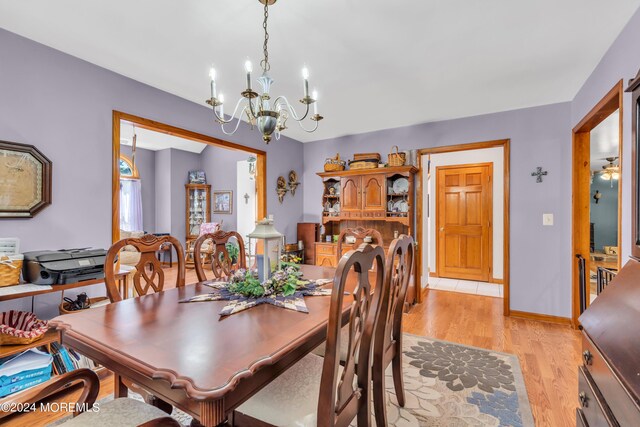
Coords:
pixel 192 348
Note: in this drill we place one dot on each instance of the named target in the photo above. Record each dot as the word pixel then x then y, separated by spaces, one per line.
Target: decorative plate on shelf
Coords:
pixel 390 206
pixel 336 207
pixel 336 188
pixel 327 206
pixel 401 206
pixel 401 185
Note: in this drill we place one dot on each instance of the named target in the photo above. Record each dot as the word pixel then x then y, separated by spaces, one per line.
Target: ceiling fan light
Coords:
pixel 606 176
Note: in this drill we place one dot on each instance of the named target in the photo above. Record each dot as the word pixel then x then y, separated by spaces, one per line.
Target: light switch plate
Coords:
pixel 547 219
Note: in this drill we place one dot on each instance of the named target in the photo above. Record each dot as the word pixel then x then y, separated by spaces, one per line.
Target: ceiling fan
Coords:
pixel 611 171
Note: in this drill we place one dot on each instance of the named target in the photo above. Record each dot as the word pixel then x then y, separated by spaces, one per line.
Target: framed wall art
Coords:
pixel 25 180
pixel 223 202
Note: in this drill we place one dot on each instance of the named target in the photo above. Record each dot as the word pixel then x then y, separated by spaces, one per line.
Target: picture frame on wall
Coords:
pixel 223 202
pixel 197 177
pixel 25 180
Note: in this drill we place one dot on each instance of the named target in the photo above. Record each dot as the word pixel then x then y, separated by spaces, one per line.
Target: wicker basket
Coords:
pixel 20 327
pixel 334 164
pixel 363 164
pixel 10 268
pixel 64 307
pixel 397 158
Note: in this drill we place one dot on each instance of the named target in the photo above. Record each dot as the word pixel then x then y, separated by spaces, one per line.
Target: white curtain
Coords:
pixel 131 205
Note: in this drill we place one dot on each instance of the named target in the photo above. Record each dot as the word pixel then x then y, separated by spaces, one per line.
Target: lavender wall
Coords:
pixel 146 165
pixel 63 106
pixel 163 191
pixel 540 136
pixel 621 61
pixel 220 166
pixel 45 93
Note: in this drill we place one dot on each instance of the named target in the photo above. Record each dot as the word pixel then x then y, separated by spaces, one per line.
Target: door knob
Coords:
pixel 441 228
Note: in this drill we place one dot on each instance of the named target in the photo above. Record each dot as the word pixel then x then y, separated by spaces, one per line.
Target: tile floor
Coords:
pixel 466 286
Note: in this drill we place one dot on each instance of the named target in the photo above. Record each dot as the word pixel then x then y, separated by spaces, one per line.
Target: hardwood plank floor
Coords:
pixel 549 354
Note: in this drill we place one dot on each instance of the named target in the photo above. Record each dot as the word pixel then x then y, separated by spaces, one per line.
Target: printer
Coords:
pixel 63 266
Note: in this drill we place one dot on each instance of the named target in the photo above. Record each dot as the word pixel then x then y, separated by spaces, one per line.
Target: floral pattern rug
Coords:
pixel 449 384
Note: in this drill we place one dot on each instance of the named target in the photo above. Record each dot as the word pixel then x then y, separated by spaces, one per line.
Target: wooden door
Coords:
pixel 350 198
pixel 463 220
pixel 374 199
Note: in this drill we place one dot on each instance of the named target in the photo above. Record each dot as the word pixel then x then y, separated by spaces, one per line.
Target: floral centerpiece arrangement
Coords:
pixel 285 282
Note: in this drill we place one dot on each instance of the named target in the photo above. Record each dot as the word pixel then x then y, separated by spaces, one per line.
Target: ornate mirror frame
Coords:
pixel 634 88
pixel 43 187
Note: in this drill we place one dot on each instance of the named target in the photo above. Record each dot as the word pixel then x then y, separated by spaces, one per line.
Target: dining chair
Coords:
pixel 222 264
pixel 118 412
pixel 320 391
pixel 398 272
pixel 149 275
pixel 359 234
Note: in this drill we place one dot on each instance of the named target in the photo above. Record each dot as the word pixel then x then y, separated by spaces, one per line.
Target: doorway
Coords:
pixel 179 158
pixel 597 195
pixel 464 216
pixel 479 242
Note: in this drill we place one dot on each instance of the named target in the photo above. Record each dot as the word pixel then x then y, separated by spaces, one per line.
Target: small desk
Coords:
pixel 187 356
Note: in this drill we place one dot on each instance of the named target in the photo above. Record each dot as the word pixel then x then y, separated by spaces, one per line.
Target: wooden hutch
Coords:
pixel 609 377
pixel 369 198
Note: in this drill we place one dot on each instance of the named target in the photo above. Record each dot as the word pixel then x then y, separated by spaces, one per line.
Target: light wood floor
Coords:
pixel 549 354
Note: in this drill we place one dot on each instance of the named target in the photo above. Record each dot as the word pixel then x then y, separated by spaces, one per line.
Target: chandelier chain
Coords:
pixel 265 62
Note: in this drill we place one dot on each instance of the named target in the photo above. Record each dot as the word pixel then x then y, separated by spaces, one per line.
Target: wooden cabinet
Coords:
pixel 351 199
pixel 363 196
pixel 309 234
pixel 373 195
pixel 198 206
pixel 609 384
pixel 326 254
pixel 380 198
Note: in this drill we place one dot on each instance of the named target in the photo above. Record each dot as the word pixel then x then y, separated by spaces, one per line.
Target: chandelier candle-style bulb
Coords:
pixel 305 76
pixel 248 68
pixel 315 104
pixel 212 75
pixel 221 99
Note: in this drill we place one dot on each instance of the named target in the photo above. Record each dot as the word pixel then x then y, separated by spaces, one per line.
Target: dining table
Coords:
pixel 188 355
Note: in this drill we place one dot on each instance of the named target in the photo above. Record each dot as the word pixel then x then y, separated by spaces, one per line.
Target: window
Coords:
pixel 130 196
pixel 127 169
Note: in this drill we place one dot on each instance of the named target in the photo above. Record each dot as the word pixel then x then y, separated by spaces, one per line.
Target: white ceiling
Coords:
pixel 155 141
pixel 377 64
pixel 604 141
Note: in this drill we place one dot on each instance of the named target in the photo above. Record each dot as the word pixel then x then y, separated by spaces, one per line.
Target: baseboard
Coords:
pixel 540 317
pixel 497 281
pixel 433 274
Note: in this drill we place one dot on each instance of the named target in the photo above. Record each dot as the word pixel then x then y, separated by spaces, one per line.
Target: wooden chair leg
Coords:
pixel 398 382
pixel 379 395
pixel 159 403
pixel 119 389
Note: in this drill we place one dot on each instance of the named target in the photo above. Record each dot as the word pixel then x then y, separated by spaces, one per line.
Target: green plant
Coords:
pixel 233 250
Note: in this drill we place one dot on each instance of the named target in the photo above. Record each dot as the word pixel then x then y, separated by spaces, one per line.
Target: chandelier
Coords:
pixel 269 116
pixel 610 172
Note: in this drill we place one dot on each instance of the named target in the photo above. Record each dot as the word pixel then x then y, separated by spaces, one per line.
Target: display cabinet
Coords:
pixel 198 208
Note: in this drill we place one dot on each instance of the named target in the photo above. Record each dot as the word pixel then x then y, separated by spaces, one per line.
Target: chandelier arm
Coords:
pixel 234 129
pixel 295 116
pixel 308 130
pixel 235 110
pixel 251 110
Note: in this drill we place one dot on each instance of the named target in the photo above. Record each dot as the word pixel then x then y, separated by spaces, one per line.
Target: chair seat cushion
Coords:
pixel 292 398
pixel 344 343
pixel 118 412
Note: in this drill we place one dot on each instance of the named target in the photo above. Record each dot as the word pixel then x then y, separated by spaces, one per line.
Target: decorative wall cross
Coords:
pixel 539 173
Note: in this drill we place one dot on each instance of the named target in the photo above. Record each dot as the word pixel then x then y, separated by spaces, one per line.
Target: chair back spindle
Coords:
pixel 221 262
pixel 149 275
pixel 345 394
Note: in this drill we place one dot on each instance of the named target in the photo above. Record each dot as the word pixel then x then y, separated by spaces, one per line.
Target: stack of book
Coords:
pixel 24 370
pixel 65 359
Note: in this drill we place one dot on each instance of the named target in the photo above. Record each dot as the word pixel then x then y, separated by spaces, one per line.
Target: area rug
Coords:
pixel 450 385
